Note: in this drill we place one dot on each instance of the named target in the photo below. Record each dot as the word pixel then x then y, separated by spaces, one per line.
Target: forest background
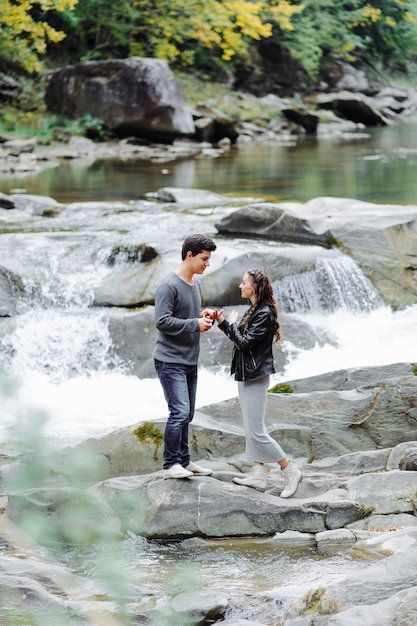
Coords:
pixel 205 42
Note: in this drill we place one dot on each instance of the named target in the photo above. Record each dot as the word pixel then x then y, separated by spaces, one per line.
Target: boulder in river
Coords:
pixel 135 96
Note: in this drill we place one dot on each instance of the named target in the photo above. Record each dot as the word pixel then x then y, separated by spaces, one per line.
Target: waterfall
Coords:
pixel 58 344
pixel 334 284
pixel 57 357
pixel 56 332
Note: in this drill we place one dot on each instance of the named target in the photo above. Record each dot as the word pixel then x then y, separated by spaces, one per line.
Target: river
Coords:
pixel 376 165
pixel 54 353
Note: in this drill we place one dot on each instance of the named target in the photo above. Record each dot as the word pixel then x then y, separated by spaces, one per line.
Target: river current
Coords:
pixel 54 353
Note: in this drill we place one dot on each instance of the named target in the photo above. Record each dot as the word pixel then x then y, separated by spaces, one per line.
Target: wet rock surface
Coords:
pixel 351 445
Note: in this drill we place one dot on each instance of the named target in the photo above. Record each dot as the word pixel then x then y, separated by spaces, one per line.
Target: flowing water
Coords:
pixel 260 577
pixel 375 166
pixel 54 355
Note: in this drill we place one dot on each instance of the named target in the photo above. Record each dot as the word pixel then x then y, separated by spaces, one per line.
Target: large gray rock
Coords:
pixel 11 286
pixel 403 239
pixel 268 221
pixel 334 434
pixel 133 339
pixel 379 238
pixel 383 593
pixel 188 197
pixel 15 147
pixel 385 493
pixel 6 202
pixel 350 378
pixel 165 509
pixel 135 284
pixel 38 205
pixel 200 607
pixel 399 609
pixel 135 96
pixel 155 507
pixel 131 284
pixel 352 106
pixel 333 423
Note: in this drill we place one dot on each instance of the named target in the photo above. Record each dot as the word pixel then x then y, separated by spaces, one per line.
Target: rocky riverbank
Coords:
pixel 155 122
pixel 352 433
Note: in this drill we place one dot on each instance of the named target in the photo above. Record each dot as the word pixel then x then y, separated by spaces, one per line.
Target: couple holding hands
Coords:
pixel 179 322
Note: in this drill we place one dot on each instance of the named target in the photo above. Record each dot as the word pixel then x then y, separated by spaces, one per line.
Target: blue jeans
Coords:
pixel 179 383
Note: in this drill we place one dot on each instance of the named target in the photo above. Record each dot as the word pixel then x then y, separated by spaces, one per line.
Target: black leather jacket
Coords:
pixel 252 354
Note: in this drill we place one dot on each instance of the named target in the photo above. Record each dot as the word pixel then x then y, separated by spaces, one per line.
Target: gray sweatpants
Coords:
pixel 259 444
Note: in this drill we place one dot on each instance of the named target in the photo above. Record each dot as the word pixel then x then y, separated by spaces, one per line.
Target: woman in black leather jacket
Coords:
pixel 252 365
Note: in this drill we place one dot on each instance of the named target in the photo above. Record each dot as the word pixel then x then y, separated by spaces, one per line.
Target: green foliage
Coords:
pixel 281 388
pixel 334 241
pixel 414 368
pixel 149 433
pixel 101 28
pixel 362 512
pixel 209 36
pixel 89 125
pixel 25 30
pixel 24 123
pixel 378 30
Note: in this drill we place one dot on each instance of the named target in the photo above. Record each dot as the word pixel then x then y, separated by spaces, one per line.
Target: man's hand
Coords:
pixel 205 323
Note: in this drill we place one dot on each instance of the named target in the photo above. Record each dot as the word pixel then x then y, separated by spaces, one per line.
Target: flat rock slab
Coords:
pixel 159 508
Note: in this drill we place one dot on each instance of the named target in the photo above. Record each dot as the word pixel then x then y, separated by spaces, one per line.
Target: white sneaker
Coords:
pixel 177 471
pixel 256 479
pixel 198 470
pixel 293 477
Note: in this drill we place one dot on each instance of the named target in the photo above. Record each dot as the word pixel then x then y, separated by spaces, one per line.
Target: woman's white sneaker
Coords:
pixel 293 477
pixel 256 479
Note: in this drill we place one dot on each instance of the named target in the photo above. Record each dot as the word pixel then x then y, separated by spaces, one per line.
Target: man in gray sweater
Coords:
pixel 179 322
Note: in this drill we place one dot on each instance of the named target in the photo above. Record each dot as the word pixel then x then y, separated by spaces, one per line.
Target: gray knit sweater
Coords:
pixel 177 309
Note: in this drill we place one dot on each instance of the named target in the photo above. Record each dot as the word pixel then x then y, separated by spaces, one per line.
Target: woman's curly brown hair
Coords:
pixel 264 294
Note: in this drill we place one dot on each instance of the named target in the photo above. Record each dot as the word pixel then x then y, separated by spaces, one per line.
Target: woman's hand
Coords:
pixel 219 316
pixel 214 314
pixel 232 317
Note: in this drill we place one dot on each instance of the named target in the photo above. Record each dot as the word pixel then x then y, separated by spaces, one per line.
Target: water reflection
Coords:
pixel 375 166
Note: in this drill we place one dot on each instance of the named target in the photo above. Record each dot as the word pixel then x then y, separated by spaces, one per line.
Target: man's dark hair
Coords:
pixel 196 244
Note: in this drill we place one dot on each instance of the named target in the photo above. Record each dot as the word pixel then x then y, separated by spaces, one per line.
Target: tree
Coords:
pixel 387 28
pixel 180 32
pixel 378 30
pixel 25 30
pixel 101 28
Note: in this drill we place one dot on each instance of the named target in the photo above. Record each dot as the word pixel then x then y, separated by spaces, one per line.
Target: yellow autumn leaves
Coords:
pixel 370 13
pixel 22 37
pixel 167 26
pixel 177 31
